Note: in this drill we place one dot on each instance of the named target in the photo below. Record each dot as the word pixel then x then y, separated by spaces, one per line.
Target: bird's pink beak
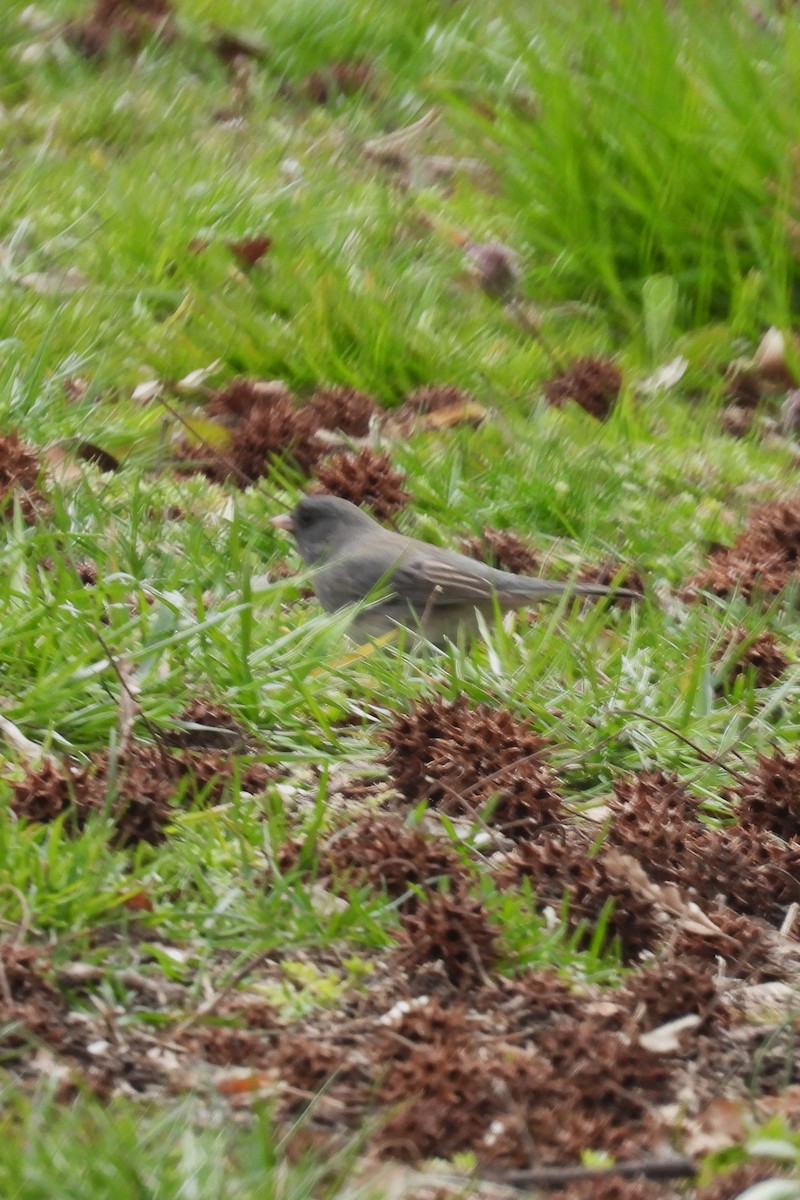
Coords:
pixel 283 521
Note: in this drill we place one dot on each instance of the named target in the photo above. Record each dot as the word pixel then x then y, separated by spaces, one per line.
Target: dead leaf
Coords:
pixel 770 360
pixel 143 393
pixel 667 1039
pixel 138 902
pixel 626 868
pixel 249 251
pixel 762 1002
pixel 665 377
pixel 62 467
pixel 718 1126
pixel 468 413
pixel 239 1085
pixel 30 752
pixel 64 461
pixel 194 381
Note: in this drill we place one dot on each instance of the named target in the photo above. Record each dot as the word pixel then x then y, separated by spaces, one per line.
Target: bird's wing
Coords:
pixel 430 578
pixel 412 575
pixel 446 577
pixel 406 573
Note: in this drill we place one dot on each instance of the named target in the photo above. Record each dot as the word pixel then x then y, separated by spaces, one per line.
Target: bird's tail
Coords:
pixel 525 588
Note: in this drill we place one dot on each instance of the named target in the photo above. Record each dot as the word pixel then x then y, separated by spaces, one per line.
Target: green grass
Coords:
pixel 644 163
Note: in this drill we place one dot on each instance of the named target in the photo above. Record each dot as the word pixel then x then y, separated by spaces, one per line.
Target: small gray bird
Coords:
pixel 431 591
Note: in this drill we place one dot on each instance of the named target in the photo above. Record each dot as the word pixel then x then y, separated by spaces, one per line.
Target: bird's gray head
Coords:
pixel 323 525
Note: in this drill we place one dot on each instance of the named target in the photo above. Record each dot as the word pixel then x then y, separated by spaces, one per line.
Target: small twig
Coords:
pixel 208 1006
pixel 152 729
pixel 650 1168
pixel 703 754
pixel 516 310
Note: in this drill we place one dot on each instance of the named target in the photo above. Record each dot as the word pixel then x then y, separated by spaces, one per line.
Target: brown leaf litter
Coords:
pixel 737 420
pixel 769 800
pixel 517 1072
pixel 434 407
pixel 458 756
pixel 230 46
pixel 496 268
pixel 139 788
pixel 20 472
pixel 610 1189
pixel 125 24
pixel 747 869
pixel 263 423
pixel 344 408
pixel 31 1008
pixel 383 852
pixel 534 1069
pixel 503 549
pixel 559 867
pixel 759 658
pixel 454 930
pixel 592 383
pixel 614 574
pixel 204 724
pixel 764 559
pixel 366 478
pixel 345 77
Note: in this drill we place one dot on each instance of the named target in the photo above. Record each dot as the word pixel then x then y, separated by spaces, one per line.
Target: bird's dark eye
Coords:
pixel 303 517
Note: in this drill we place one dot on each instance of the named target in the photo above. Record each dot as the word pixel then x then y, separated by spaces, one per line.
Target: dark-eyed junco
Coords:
pixel 421 587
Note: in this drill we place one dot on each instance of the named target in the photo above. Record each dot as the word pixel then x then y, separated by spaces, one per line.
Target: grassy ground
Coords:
pixel 643 164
